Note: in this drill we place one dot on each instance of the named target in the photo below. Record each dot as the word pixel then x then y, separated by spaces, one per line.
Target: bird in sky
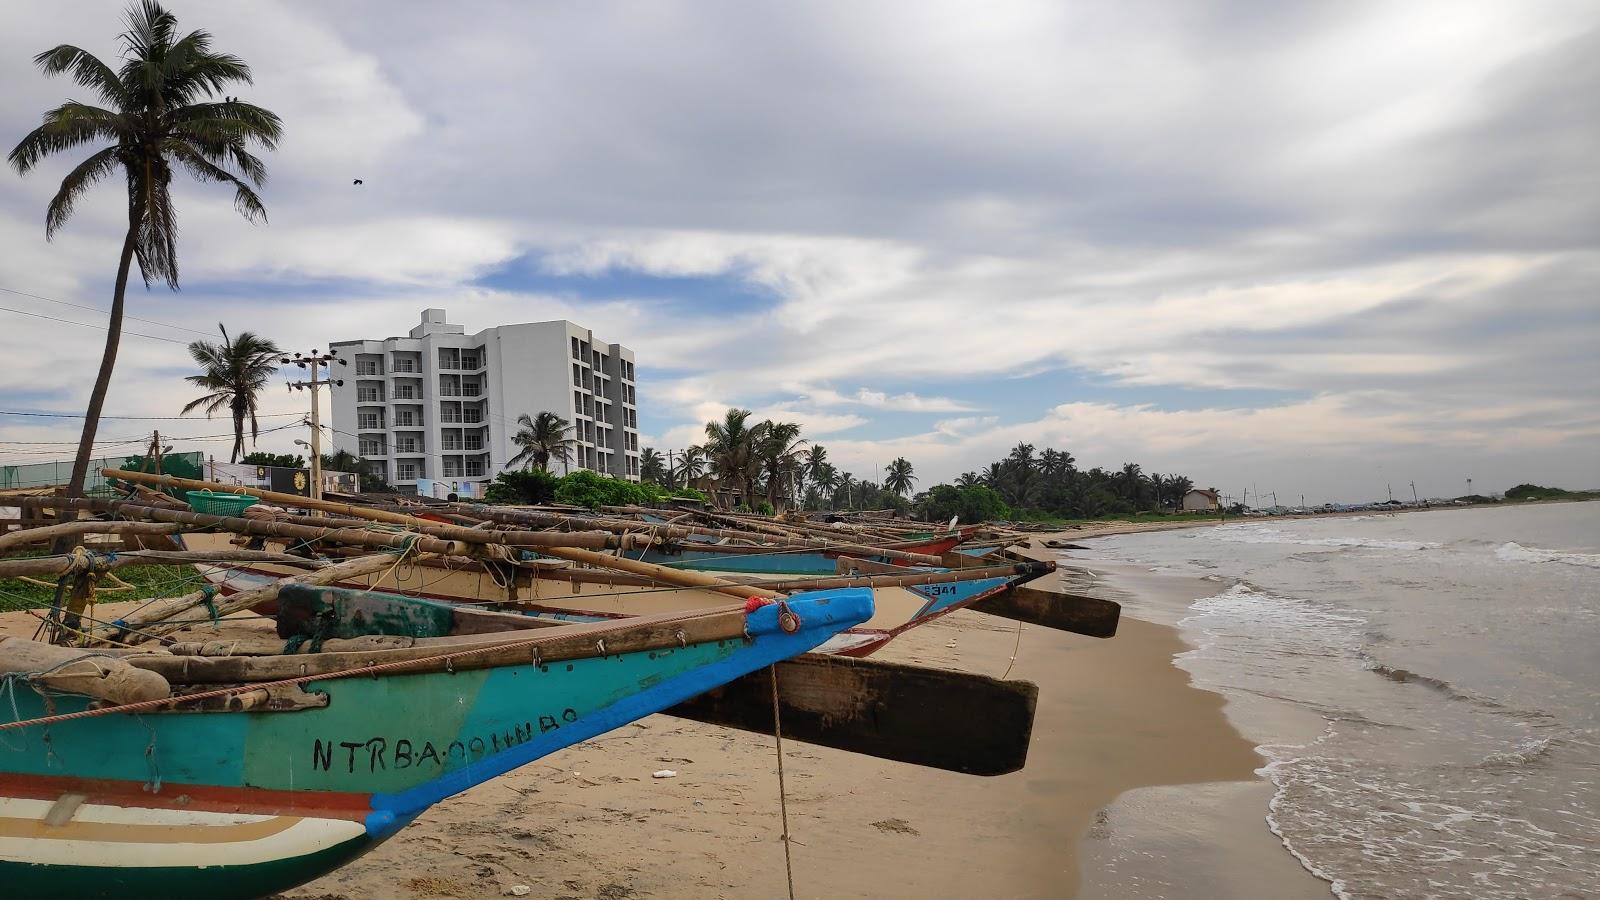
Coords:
pixel 357 181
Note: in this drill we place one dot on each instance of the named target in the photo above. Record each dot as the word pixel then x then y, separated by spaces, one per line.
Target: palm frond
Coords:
pixel 86 69
pixel 244 199
pixel 86 175
pixel 69 125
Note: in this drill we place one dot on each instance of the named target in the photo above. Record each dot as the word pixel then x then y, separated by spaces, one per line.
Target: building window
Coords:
pixel 472 415
pixel 405 420
pixel 577 375
pixel 369 395
pixel 371 448
pixel 407 445
pixel 406 472
pixel 367 367
pixel 576 350
pixel 369 421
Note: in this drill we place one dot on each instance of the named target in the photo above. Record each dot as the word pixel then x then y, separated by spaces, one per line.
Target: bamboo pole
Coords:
pixel 151 621
pixel 80 528
pixel 575 554
pixel 351 511
pixel 56 566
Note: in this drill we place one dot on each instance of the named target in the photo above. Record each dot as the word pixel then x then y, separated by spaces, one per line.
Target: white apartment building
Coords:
pixel 443 404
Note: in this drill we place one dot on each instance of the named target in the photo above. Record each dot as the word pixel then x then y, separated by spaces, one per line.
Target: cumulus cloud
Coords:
pixel 1381 212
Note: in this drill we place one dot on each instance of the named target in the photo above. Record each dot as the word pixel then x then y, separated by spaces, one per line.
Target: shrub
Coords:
pixel 530 486
pixel 975 503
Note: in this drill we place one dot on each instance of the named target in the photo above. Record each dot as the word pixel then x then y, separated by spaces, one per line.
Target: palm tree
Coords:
pixel 968 479
pixel 652 467
pixel 542 438
pixel 779 450
pixel 898 476
pixel 234 372
pixel 1130 484
pixel 158 116
pixel 846 482
pixel 731 449
pixel 826 478
pixel 815 459
pixel 691 466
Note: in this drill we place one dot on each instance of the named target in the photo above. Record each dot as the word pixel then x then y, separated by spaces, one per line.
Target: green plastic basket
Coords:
pixel 213 504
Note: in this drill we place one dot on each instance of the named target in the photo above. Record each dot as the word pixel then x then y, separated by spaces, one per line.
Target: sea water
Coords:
pixel 1453 657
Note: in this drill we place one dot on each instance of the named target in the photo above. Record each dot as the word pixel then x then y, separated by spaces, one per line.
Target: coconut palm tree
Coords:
pixel 691 465
pixel 1130 484
pixel 779 450
pixel 732 450
pixel 968 479
pixel 542 438
pixel 898 477
pixel 652 466
pixel 158 115
pixel 816 457
pixel 826 478
pixel 233 374
pixel 847 482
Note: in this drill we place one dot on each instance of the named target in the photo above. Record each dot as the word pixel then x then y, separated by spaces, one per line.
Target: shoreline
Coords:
pixel 1104 807
pixel 1108 805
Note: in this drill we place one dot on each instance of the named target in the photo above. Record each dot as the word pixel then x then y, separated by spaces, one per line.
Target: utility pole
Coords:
pixel 1414 494
pixel 1391 491
pixel 315 362
pixel 1469 485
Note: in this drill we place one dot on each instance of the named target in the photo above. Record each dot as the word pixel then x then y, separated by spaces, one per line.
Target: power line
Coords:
pixel 153 337
pixel 59 415
pixel 102 310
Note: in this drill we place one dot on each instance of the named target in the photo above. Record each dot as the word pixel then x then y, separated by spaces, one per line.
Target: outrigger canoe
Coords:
pixel 288 766
pixel 593 595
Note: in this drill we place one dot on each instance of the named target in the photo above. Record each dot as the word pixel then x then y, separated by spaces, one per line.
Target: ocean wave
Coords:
pixel 1515 552
pixel 1526 753
pixel 1385 830
pixel 1261 534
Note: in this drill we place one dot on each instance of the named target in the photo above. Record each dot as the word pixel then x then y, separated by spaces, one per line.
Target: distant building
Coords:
pixel 1201 500
pixel 442 405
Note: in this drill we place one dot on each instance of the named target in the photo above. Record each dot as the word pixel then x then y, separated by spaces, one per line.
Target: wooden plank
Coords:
pixel 1077 613
pixel 926 717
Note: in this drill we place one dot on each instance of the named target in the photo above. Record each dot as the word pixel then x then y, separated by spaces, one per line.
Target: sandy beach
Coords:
pixel 1116 719
pixel 1137 784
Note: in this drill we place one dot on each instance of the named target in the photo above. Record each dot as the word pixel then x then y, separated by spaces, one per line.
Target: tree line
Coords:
pixel 768 465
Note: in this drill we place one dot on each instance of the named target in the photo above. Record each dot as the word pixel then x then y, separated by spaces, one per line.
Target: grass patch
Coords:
pixel 147 582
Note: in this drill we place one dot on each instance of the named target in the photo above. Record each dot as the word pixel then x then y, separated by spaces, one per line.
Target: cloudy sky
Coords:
pixel 1316 248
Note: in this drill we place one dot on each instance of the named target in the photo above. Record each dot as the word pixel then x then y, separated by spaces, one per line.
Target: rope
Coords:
pixel 599 631
pixel 783 799
pixel 1014 651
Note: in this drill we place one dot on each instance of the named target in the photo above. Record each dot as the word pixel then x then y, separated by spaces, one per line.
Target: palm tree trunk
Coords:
pixel 108 362
pixel 238 434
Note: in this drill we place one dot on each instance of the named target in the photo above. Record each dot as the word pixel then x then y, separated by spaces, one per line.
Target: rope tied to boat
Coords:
pixel 208 593
pixel 783 794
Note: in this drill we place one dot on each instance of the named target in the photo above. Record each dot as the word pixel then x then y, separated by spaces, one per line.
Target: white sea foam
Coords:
pixel 1453 670
pixel 1262 534
pixel 1512 551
